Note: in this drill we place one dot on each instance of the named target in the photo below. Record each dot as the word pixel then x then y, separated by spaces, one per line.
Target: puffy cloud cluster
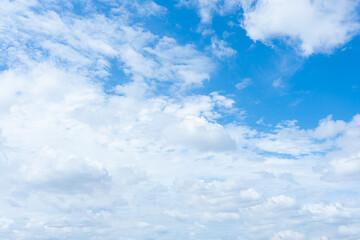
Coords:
pixel 82 161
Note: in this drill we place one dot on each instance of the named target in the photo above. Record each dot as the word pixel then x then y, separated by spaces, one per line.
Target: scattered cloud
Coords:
pixel 278 83
pixel 79 162
pixel 220 48
pixel 244 83
pixel 208 8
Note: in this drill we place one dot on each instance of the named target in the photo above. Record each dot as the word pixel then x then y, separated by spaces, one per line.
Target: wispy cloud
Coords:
pixel 243 83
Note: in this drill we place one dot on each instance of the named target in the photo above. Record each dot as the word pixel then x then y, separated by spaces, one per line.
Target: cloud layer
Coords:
pixel 83 160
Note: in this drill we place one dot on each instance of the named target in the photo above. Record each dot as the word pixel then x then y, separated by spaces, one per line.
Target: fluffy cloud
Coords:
pixel 85 161
pixel 344 161
pixel 329 128
pixel 311 26
pixel 199 133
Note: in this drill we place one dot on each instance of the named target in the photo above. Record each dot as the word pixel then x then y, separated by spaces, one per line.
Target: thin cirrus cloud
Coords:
pixel 243 83
pixel 79 161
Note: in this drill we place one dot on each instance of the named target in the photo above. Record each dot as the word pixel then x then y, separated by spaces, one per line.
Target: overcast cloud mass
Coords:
pixel 186 119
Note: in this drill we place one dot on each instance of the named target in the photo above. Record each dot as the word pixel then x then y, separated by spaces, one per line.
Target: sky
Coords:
pixel 179 119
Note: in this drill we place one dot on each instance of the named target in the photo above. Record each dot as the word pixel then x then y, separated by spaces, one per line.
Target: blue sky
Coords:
pixel 179 119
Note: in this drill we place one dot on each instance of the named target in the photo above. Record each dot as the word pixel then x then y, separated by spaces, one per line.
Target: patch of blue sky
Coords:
pixel 115 77
pixel 308 89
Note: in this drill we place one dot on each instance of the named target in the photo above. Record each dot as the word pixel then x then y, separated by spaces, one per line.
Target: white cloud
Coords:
pixel 288 235
pixel 328 128
pixel 77 162
pixel 344 161
pixel 53 172
pixel 176 62
pixel 221 196
pixel 289 139
pixel 201 134
pixel 277 83
pixel 176 214
pixel 346 167
pixel 330 211
pixel 280 201
pixel 89 44
pixel 5 223
pixel 311 26
pixel 350 230
pixel 250 194
pixel 144 8
pixel 221 216
pixel 244 83
pixel 220 48
pixel 208 8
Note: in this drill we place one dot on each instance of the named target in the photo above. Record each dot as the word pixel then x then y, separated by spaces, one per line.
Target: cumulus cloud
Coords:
pixel 53 172
pixel 199 133
pixel 346 167
pixel 329 128
pixel 311 26
pixel 344 161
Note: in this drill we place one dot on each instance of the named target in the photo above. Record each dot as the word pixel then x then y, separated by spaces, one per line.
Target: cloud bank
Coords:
pixel 81 160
